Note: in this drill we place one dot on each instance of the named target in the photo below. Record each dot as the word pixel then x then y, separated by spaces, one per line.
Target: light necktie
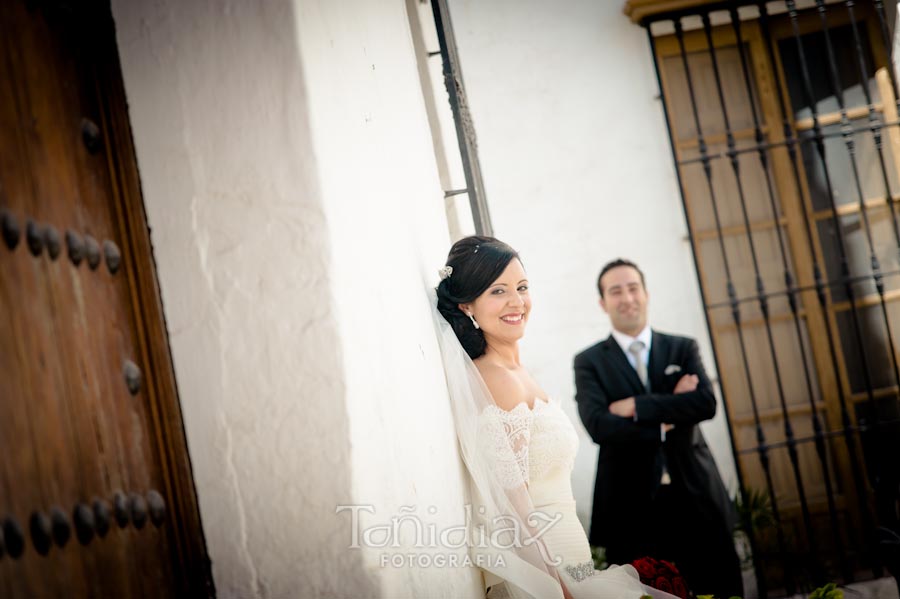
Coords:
pixel 635 350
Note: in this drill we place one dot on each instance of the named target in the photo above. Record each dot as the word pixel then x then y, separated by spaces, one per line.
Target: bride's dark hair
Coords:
pixel 477 262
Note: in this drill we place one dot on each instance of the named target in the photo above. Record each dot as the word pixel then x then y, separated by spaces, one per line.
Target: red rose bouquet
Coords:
pixel 661 575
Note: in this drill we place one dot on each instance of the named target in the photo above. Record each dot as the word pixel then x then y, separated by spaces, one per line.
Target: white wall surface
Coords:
pixel 385 208
pixel 297 219
pixel 578 171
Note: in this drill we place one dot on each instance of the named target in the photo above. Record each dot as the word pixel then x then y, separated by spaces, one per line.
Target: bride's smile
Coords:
pixel 514 319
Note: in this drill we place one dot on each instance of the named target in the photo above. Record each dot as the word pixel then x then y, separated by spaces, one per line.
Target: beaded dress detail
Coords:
pixel 539 445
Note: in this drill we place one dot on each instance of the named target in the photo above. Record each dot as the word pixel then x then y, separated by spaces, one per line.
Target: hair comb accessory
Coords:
pixel 445 272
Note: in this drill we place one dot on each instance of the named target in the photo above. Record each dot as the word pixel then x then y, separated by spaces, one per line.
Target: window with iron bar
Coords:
pixel 784 129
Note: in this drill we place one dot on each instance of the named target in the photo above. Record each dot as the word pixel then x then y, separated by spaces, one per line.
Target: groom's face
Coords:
pixel 625 299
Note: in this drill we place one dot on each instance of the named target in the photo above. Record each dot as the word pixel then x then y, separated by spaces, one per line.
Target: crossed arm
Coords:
pixel 638 419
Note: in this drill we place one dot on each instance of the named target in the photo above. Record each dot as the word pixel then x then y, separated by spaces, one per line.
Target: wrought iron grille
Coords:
pixel 783 120
pixel 465 130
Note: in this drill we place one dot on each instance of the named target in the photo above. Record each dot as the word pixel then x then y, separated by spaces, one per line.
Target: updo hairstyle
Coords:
pixel 477 262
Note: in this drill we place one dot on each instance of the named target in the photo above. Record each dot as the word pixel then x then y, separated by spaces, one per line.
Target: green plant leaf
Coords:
pixel 758 510
pixel 829 591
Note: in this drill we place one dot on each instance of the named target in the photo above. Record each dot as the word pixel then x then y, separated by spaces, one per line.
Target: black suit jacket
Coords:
pixel 632 454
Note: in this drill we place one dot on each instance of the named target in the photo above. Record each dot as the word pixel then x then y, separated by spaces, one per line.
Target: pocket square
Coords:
pixel 672 369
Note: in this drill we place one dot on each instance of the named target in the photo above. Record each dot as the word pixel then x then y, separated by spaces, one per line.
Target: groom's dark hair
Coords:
pixel 615 264
pixel 477 262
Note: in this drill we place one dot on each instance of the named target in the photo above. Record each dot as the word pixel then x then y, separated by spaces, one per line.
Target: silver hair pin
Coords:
pixel 476 248
pixel 445 272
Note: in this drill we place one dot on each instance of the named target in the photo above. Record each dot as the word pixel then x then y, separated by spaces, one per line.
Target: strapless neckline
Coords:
pixel 538 405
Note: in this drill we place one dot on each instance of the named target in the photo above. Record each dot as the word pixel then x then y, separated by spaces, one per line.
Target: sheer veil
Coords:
pixel 504 529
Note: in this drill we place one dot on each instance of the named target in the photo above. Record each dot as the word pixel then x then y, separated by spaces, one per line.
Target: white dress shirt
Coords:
pixel 625 342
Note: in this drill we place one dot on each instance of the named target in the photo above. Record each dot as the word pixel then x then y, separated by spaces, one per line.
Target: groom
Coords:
pixel 641 394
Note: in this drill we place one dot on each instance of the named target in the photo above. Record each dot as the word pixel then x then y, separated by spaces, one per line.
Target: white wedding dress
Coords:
pixel 519 464
pixel 539 445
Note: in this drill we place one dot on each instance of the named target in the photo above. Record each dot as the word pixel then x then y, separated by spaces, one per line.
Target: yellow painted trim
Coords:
pixel 637 10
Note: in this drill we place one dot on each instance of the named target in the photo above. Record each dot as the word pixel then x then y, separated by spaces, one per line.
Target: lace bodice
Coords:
pixel 538 446
pixel 528 444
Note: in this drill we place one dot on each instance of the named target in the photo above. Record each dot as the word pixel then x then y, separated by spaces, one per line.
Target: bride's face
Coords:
pixel 502 310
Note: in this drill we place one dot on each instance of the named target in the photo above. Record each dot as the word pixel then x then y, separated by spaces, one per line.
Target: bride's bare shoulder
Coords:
pixel 506 389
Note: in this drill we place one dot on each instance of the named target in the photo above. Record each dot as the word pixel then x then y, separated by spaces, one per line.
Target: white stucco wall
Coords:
pixel 578 171
pixel 385 208
pixel 297 218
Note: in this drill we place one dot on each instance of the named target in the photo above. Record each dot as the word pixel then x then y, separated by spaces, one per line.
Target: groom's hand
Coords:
pixel 623 408
pixel 687 383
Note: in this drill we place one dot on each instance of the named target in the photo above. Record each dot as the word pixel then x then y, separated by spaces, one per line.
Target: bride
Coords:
pixel 517 443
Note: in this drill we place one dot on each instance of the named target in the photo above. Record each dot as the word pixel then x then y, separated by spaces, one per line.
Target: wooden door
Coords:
pixel 96 496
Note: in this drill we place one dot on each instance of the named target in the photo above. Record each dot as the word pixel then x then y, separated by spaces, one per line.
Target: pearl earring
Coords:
pixel 472 318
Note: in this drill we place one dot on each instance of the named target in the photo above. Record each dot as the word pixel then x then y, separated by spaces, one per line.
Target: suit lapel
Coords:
pixel 619 363
pixel 659 351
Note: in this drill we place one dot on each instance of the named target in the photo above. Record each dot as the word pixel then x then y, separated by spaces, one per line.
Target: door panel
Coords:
pixel 80 318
